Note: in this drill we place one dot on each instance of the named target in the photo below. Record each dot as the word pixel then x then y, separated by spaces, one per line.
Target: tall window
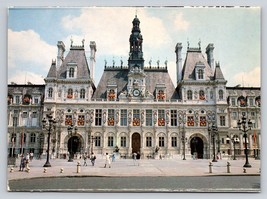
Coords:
pixel 200 74
pixel 82 93
pixel 173 117
pixel 71 72
pixel 174 141
pixel 123 141
pixel 161 141
pixel 13 138
pixel 17 99
pixel 32 137
pixel 148 117
pixel 68 120
pixel 80 121
pixel 50 92
pixel 201 95
pixel 15 121
pixel 136 117
pixel 222 120
pixel 161 117
pixel 97 141
pixel 233 101
pixel 189 95
pixel 220 94
pixel 123 120
pixel 70 93
pixel 110 141
pixel 148 141
pixel 190 121
pixel 98 117
pixel 111 115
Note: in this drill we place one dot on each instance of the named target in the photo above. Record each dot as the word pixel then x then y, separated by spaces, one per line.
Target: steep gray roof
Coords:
pixel 52 71
pixel 193 57
pixel 75 55
pixel 218 73
pixel 120 78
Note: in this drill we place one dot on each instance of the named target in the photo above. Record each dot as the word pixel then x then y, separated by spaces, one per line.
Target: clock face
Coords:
pixel 136 92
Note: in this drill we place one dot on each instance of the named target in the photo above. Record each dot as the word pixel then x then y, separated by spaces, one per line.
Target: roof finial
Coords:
pixel 187 43
pixel 136 12
pixel 71 41
pixel 83 42
pixel 199 44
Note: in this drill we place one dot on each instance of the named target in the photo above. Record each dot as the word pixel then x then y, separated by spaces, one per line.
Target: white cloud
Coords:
pixel 180 23
pixel 249 78
pixel 22 77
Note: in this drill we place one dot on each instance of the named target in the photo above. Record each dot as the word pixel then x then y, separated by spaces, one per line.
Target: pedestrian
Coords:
pixel 113 157
pixel 134 158
pixel 93 158
pixel 22 163
pixel 107 162
pixel 85 159
pixel 31 156
pixel 27 161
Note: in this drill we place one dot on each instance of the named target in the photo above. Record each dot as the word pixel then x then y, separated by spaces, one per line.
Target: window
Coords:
pixel 71 72
pixel 233 101
pixel 32 138
pixel 80 121
pixel 123 141
pixel 161 118
pixel 202 121
pixel 161 95
pixel 148 141
pixel 201 95
pixel 174 141
pixel 15 121
pixel 17 99
pixel 13 138
pixel 36 100
pixel 82 93
pixel 173 117
pixel 200 74
pixel 111 115
pixel 190 121
pixel 234 115
pixel 211 94
pixel 251 101
pixel 222 120
pixel 50 92
pixel 98 117
pixel 70 93
pixel 98 141
pixel 136 117
pixel 68 120
pixel 161 141
pixel 220 94
pixel 123 120
pixel 110 141
pixel 189 95
pixel 148 117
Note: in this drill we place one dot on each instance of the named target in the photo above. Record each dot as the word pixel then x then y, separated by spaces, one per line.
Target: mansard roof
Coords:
pixel 52 71
pixel 193 57
pixel 218 75
pixel 75 56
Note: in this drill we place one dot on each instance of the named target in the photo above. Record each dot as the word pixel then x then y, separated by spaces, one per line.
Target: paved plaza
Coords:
pixel 128 167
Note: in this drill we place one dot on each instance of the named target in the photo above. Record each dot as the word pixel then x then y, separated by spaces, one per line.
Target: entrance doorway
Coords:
pixel 74 145
pixel 136 143
pixel 196 145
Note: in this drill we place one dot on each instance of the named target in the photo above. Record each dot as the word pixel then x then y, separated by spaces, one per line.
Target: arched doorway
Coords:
pixel 74 145
pixel 136 143
pixel 197 146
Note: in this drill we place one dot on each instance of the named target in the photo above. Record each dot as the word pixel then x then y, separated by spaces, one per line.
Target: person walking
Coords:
pixel 107 162
pixel 22 163
pixel 27 161
pixel 134 158
pixel 85 159
pixel 93 157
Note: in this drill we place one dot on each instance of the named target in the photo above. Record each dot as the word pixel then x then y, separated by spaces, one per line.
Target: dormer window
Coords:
pixel 50 92
pixel 189 95
pixel 220 94
pixel 200 74
pixel 71 73
pixel 200 71
pixel 71 70
pixel 161 95
pixel 82 93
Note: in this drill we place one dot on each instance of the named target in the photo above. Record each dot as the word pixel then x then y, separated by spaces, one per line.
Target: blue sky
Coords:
pixel 235 32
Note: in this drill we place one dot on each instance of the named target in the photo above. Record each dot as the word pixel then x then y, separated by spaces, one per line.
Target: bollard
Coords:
pixel 11 170
pixel 61 170
pixel 78 167
pixel 210 167
pixel 228 167
pixel 45 170
pixel 244 170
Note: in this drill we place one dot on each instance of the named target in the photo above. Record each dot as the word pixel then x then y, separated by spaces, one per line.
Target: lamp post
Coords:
pixel 183 138
pixel 214 131
pixel 92 144
pixel 235 140
pixel 245 126
pixel 70 128
pixel 48 125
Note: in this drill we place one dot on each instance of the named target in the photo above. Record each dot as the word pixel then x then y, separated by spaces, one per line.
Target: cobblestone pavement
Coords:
pixel 128 167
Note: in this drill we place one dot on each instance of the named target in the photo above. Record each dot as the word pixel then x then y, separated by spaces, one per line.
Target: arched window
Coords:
pixel 70 93
pixel 200 74
pixel 50 92
pixel 13 138
pixel 33 138
pixel 201 95
pixel 220 94
pixel 189 95
pixel 71 72
pixel 82 93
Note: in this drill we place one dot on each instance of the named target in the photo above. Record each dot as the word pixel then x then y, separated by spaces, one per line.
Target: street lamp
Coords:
pixel 235 140
pixel 70 128
pixel 92 144
pixel 214 131
pixel 183 138
pixel 245 126
pixel 49 124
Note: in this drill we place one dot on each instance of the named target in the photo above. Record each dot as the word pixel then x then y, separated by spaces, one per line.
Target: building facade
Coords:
pixel 135 107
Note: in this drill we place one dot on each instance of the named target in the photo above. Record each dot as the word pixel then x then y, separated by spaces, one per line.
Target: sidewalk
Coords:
pixel 127 167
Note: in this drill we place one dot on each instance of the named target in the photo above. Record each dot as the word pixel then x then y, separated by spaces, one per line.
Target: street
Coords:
pixel 140 184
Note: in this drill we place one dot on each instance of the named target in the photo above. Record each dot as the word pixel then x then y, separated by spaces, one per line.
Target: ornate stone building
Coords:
pixel 137 108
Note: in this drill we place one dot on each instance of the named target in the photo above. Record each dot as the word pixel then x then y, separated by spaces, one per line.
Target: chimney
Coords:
pixel 178 51
pixel 92 58
pixel 60 54
pixel 209 52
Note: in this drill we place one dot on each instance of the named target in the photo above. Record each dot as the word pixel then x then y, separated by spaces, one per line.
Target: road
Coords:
pixel 139 184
